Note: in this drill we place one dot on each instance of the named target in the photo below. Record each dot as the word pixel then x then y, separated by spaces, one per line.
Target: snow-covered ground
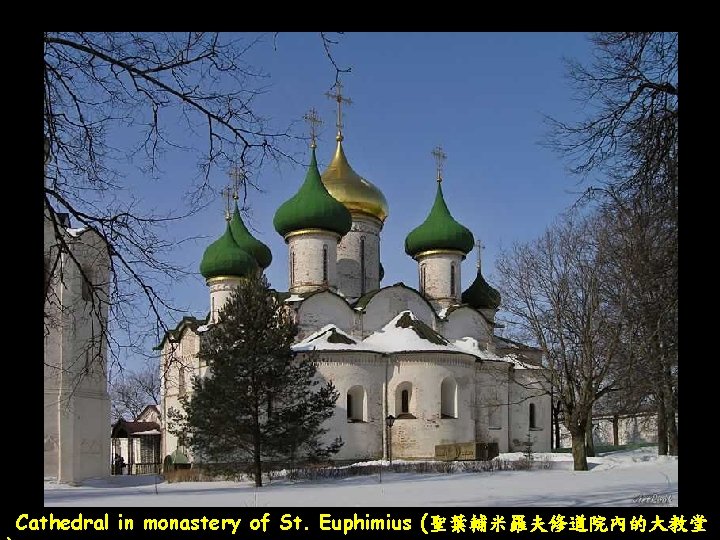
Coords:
pixel 614 479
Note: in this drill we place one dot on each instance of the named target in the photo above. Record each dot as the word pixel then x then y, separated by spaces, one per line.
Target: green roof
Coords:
pixel 225 258
pixel 247 242
pixel 481 295
pixel 312 207
pixel 439 231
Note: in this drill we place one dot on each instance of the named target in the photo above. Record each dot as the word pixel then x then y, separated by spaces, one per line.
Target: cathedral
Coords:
pixel 426 358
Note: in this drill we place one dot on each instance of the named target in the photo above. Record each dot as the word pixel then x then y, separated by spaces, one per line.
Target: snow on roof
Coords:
pixel 294 298
pixel 329 337
pixel 148 432
pixel 76 232
pixel 408 333
pixel 442 312
pixel 203 328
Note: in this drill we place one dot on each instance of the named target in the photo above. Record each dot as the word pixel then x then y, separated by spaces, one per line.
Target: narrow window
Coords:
pixel 325 264
pixel 87 287
pixel 292 267
pixel 181 381
pixel 362 265
pixel 533 425
pixel 356 409
pixel 422 279
pixel 494 417
pixel 405 401
pixel 448 398
pixel 452 279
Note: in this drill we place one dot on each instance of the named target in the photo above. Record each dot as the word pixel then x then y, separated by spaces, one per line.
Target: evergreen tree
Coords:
pixel 257 401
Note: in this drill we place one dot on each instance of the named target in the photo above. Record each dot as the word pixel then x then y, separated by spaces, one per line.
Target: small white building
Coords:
pixel 428 356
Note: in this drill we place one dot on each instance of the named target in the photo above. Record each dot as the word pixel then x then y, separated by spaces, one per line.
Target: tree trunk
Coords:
pixel 670 424
pixel 578 451
pixel 661 426
pixel 616 430
pixel 256 448
pixel 556 423
pixel 589 443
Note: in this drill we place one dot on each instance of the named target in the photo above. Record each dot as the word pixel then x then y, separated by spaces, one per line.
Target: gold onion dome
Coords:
pixel 355 192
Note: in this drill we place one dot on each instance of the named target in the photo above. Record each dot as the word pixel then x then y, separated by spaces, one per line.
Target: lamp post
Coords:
pixel 389 421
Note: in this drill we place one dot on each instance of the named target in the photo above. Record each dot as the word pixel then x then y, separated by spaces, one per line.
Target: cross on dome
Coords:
pixel 337 96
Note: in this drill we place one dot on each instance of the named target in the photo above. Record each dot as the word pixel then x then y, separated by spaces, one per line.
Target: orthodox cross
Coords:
pixel 237 177
pixel 313 120
pixel 227 193
pixel 440 158
pixel 480 247
pixel 337 96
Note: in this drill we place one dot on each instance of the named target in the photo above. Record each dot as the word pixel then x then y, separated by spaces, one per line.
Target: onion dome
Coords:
pixel 439 231
pixel 224 258
pixel 480 294
pixel 247 242
pixel 355 192
pixel 312 207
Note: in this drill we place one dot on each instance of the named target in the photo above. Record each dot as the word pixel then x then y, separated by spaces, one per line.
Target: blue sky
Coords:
pixel 482 96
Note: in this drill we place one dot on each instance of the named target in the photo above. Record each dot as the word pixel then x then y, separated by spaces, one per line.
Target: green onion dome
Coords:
pixel 247 242
pixel 481 295
pixel 224 258
pixel 439 231
pixel 312 207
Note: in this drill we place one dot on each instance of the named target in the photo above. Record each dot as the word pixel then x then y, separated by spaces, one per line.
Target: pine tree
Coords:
pixel 258 402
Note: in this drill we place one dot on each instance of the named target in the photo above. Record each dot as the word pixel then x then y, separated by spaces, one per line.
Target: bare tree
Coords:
pixel 134 391
pixel 629 144
pixel 163 92
pixel 553 292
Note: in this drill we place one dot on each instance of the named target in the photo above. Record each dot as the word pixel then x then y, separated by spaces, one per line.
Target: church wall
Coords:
pixel 184 352
pixel 362 440
pixel 464 322
pixel 437 284
pixel 76 402
pixel 423 374
pixel 306 268
pixel 322 309
pixel 526 389
pixel 221 290
pixel 491 403
pixel 387 303
pixel 349 257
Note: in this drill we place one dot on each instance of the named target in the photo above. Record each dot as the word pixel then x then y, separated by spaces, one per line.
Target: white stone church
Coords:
pixel 428 355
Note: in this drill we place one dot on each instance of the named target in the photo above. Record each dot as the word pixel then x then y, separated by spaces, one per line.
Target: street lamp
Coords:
pixel 389 421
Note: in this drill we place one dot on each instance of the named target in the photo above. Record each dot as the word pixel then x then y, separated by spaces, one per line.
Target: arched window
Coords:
pixel 533 424
pixel 362 265
pixel 403 401
pixel 325 263
pixel 448 398
pixel 422 279
pixel 452 279
pixel 356 409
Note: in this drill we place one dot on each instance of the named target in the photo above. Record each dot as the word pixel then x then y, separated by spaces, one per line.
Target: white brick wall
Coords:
pixel 306 268
pixel 349 263
pixel 436 284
